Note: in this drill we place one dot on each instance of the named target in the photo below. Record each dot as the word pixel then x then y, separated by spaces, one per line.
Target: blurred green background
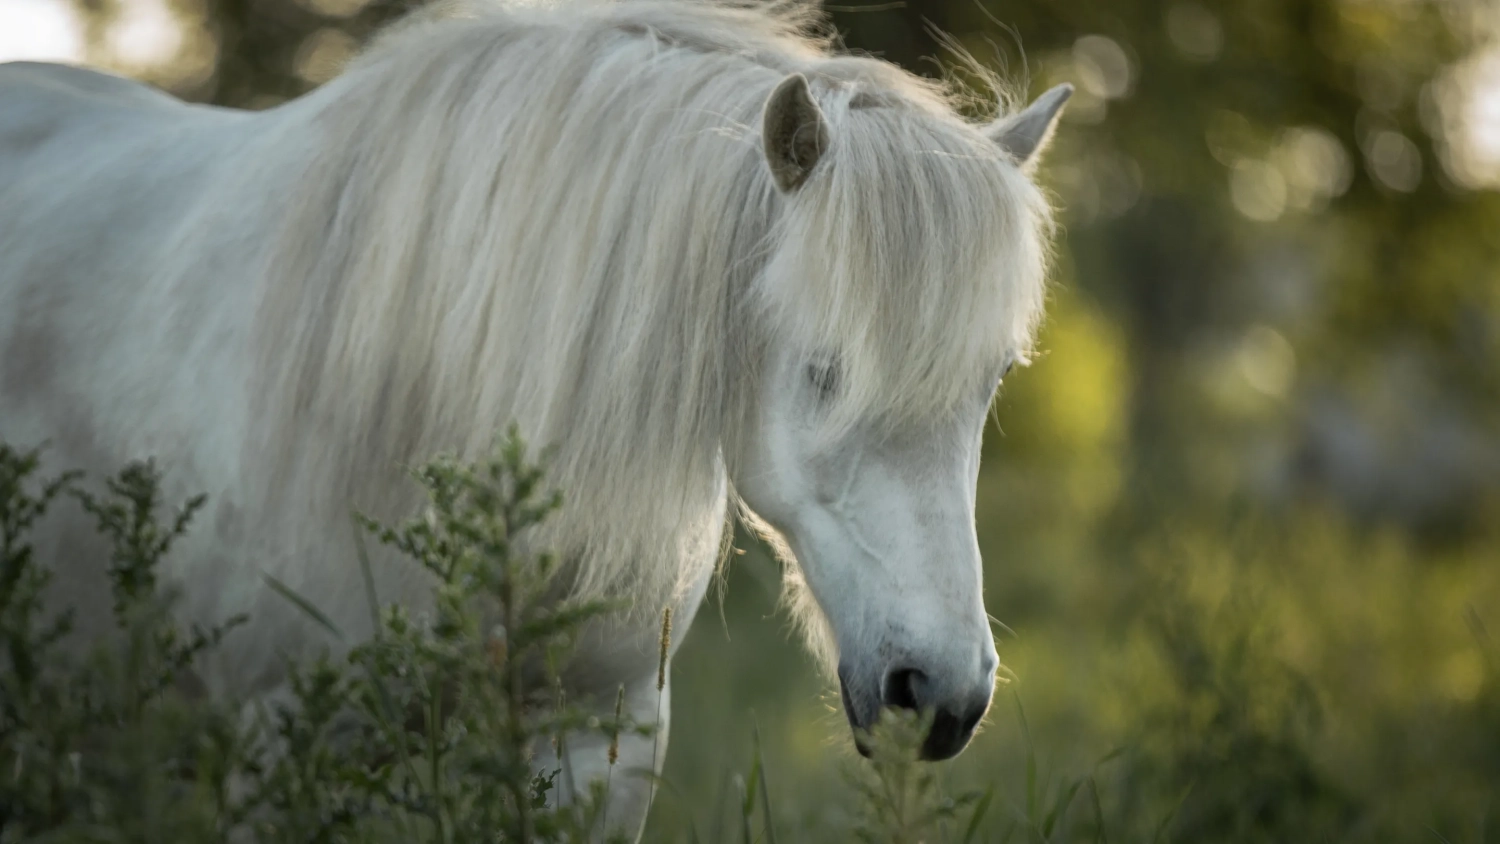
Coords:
pixel 1241 518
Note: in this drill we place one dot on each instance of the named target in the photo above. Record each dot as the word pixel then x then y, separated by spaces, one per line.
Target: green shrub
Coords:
pixel 421 733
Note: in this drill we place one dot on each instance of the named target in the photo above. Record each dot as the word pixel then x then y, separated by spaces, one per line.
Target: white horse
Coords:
pixel 707 259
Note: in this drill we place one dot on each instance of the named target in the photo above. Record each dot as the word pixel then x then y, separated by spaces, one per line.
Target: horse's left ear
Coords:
pixel 794 132
pixel 1024 135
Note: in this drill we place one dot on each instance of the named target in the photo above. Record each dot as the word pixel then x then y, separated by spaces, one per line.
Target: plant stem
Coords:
pixel 514 693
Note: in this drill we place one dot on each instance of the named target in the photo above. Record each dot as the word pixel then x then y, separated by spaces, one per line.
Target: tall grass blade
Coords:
pixel 306 606
pixel 725 780
pixel 746 835
pixel 1060 808
pixel 1100 835
pixel 976 818
pixel 1031 796
pixel 1166 822
pixel 765 789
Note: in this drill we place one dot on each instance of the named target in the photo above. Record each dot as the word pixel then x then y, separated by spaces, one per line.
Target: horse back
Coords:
pixel 101 180
pixel 77 81
pixel 40 102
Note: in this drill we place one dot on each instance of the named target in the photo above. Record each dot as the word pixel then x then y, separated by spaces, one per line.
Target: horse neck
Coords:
pixel 635 382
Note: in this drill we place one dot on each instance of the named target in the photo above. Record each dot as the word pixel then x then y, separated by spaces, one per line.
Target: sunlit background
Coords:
pixel 1241 517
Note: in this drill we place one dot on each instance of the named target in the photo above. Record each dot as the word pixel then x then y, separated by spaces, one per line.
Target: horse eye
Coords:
pixel 824 378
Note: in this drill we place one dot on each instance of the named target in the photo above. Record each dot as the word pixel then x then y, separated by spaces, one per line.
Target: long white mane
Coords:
pixel 560 214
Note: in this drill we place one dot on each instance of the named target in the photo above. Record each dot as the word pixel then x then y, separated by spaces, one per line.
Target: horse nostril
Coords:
pixel 989 663
pixel 902 686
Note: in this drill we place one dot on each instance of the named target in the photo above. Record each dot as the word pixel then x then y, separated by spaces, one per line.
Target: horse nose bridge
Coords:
pixel 950 642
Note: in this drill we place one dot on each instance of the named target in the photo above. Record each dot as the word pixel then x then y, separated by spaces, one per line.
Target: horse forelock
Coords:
pixel 917 260
pixel 560 215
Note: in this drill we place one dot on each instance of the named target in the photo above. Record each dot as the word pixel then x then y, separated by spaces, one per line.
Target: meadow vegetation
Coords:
pixel 422 733
pixel 1277 687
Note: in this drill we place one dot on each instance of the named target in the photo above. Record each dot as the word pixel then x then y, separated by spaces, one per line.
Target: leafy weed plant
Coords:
pixel 425 732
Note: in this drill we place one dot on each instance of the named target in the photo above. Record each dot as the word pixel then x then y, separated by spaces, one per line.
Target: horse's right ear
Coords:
pixel 1024 135
pixel 794 133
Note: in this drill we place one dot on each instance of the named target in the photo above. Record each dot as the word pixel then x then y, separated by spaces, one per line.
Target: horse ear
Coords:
pixel 1024 135
pixel 793 132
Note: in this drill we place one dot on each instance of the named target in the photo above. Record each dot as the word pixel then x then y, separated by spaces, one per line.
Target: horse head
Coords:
pixel 905 283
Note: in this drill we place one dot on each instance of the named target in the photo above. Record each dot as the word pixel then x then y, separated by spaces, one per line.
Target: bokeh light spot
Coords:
pixel 1103 67
pixel 1195 31
pixel 1257 190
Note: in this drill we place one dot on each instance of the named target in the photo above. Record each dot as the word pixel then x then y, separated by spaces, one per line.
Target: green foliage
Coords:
pixel 422 733
pixel 900 797
pixel 428 728
pixel 101 748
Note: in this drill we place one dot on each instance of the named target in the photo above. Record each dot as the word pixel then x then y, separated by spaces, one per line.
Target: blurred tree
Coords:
pixel 1270 197
pixel 248 53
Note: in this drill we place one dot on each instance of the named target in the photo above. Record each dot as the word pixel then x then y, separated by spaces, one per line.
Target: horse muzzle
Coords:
pixel 954 717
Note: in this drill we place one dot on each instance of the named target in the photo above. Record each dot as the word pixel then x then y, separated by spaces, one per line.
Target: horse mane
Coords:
pixel 559 214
